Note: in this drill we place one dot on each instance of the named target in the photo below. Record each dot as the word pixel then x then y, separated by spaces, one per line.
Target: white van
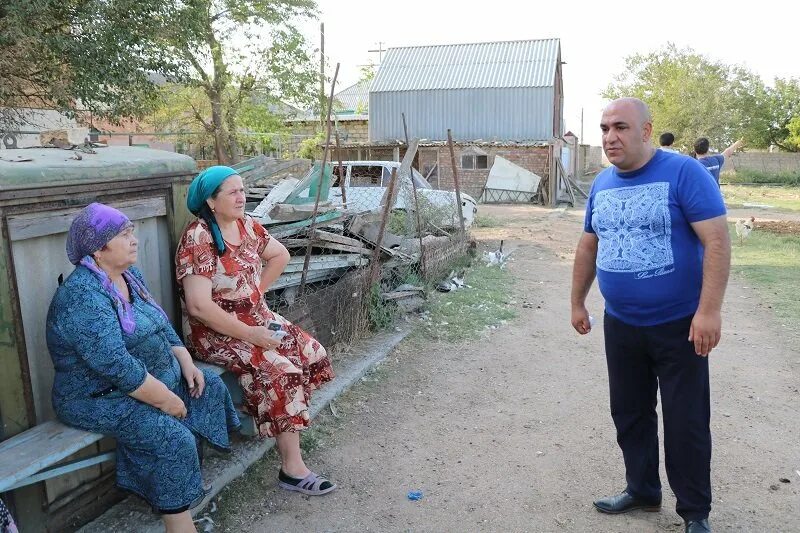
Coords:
pixel 365 183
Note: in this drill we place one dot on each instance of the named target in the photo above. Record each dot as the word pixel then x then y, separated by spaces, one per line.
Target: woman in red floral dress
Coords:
pixel 222 280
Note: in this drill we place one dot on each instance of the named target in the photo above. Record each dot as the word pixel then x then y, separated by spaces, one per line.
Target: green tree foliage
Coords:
pixel 793 139
pixel 227 61
pixel 368 71
pixel 693 96
pixel 784 114
pixel 80 56
pixel 239 54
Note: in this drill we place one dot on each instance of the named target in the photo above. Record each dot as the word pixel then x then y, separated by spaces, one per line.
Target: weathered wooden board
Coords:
pixel 43 445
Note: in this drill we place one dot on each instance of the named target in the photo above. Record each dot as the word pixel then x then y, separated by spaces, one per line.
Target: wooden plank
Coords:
pixel 66 468
pixel 397 295
pixel 323 245
pixel 576 186
pixel 403 173
pixel 293 279
pixel 563 175
pixel 326 262
pixel 33 450
pixel 328 218
pixel 294 243
pixel 32 225
pixel 293 213
pixel 333 237
pixel 369 231
pixel 342 247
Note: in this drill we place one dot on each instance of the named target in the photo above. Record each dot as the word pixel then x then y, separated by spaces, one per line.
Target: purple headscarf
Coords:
pixel 92 229
pixel 94 226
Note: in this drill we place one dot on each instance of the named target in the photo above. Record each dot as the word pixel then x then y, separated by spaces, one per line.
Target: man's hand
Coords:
pixel 730 150
pixel 195 380
pixel 580 320
pixel 705 332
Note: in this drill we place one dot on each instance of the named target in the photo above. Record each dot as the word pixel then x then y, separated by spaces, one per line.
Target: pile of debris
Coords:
pixel 325 240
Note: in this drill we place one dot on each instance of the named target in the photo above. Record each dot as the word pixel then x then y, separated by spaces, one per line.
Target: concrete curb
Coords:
pixel 132 514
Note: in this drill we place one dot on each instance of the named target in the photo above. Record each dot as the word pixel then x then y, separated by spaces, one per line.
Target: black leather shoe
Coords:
pixel 698 526
pixel 624 502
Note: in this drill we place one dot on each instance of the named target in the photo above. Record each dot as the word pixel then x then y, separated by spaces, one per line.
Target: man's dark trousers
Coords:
pixel 640 360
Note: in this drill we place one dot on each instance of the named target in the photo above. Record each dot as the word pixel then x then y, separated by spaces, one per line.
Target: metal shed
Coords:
pixel 40 191
pixel 490 91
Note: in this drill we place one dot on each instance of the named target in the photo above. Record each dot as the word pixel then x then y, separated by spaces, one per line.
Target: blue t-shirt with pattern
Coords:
pixel 649 259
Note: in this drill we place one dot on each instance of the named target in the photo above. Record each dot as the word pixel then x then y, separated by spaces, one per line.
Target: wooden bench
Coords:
pixel 29 457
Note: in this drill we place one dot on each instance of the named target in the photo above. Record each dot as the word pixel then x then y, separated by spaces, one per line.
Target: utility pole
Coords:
pixel 321 73
pixel 379 51
pixel 581 141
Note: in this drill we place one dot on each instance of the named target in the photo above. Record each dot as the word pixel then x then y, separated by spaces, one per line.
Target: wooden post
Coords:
pixel 314 213
pixel 376 255
pixel 341 171
pixel 456 183
pixel 553 192
pixel 322 73
pixel 416 207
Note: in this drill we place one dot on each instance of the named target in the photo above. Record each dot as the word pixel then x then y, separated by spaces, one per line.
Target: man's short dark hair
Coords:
pixel 666 139
pixel 701 146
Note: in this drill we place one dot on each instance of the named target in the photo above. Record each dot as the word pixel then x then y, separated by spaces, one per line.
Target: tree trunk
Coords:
pixel 221 140
pixel 216 93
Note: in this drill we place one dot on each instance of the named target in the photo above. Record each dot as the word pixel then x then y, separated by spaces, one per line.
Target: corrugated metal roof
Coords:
pixel 469 66
pixel 354 98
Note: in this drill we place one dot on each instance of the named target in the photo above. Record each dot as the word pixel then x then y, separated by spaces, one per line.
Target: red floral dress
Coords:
pixel 278 383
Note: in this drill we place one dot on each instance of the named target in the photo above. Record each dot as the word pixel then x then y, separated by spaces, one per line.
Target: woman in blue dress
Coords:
pixel 121 370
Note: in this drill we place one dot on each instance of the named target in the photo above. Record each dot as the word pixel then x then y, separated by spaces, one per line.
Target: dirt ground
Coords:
pixel 513 433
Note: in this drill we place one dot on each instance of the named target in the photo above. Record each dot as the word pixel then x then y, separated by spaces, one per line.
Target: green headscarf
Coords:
pixel 201 189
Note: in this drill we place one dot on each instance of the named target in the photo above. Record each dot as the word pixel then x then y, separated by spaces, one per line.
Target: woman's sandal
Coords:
pixel 312 484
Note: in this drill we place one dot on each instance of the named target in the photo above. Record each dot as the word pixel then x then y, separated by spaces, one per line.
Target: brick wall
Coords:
pixel 350 131
pixel 532 158
pixel 774 163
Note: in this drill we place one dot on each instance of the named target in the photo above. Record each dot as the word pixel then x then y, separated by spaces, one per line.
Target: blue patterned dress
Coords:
pixel 156 453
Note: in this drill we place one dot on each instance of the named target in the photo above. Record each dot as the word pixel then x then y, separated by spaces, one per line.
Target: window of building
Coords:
pixel 474 161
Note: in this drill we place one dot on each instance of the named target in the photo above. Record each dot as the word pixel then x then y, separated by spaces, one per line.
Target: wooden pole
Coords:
pixel 341 171
pixel 322 73
pixel 313 226
pixel 456 182
pixel 553 184
pixel 416 206
pixel 376 255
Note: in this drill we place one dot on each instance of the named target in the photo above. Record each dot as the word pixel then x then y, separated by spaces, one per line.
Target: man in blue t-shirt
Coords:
pixel 665 141
pixel 656 238
pixel 714 162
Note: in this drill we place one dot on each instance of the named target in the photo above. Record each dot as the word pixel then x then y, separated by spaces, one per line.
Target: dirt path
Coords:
pixel 513 433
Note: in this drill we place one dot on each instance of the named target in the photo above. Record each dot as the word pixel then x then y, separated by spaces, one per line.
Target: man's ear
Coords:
pixel 647 132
